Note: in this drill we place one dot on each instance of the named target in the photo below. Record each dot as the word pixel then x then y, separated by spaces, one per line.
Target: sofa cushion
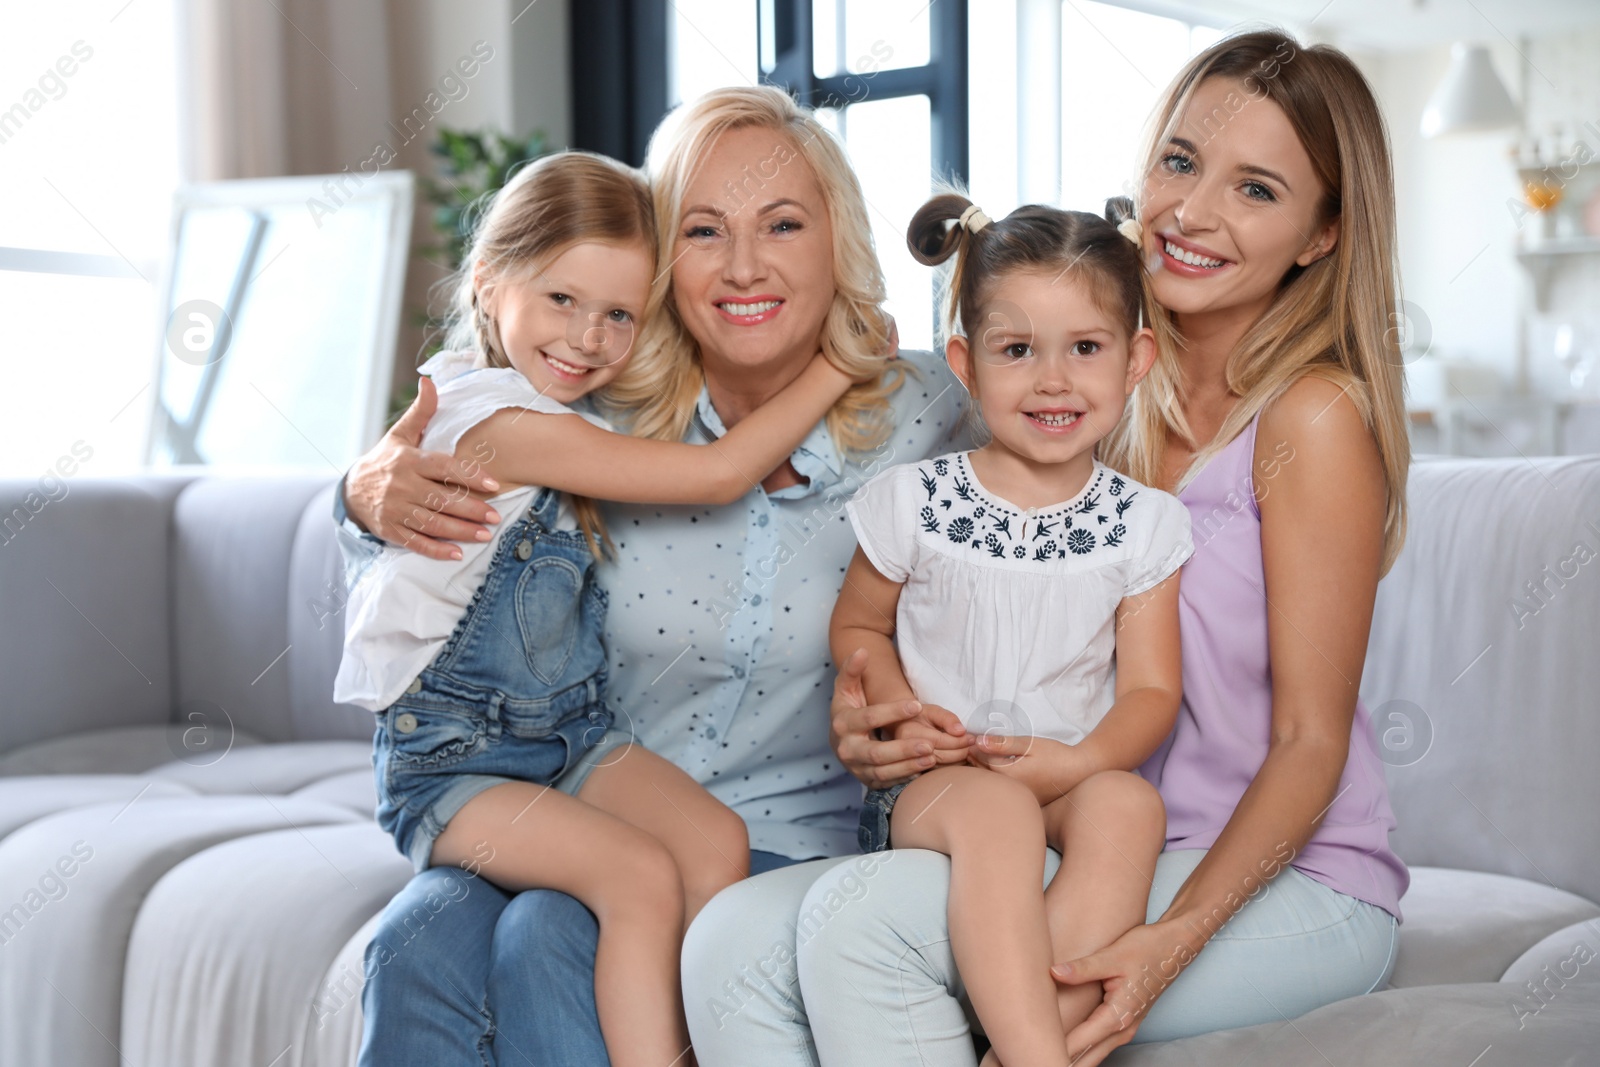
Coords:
pixel 125 750
pixel 1419 1027
pixel 229 957
pixel 356 790
pixel 271 768
pixel 1467 926
pixel 26 798
pixel 88 559
pixel 74 883
pixel 1481 676
pixel 1571 954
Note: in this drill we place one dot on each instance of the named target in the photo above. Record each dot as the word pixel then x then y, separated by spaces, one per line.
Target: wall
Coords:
pixel 1457 233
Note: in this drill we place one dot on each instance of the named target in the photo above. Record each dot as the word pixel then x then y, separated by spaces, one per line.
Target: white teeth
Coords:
pixel 1183 255
pixel 750 309
pixel 1064 418
pixel 568 367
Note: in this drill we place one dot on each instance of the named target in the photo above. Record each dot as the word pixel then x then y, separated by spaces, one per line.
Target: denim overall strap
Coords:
pixel 529 646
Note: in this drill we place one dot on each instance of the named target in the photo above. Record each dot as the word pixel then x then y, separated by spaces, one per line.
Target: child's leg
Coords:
pixel 991 828
pixel 1109 831
pixel 525 836
pixel 709 842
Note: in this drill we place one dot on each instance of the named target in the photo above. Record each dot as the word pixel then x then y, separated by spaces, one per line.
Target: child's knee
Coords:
pixel 724 860
pixel 643 883
pixel 1125 800
pixel 972 804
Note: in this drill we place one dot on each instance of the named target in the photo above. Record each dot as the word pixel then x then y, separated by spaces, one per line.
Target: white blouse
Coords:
pixel 1007 616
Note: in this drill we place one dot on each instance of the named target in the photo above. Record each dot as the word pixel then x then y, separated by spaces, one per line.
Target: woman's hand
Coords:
pixel 421 500
pixel 1049 768
pixel 940 727
pixel 1135 969
pixel 853 730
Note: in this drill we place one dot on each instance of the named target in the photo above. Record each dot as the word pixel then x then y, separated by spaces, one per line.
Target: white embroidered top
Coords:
pixel 1007 616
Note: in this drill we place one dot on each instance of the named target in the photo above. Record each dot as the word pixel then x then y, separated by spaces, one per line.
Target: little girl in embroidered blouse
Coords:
pixel 1029 591
pixel 494 747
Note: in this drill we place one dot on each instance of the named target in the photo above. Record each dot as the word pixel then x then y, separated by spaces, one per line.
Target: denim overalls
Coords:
pixel 516 694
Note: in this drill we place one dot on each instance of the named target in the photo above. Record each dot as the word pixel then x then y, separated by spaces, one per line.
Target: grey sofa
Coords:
pixel 189 868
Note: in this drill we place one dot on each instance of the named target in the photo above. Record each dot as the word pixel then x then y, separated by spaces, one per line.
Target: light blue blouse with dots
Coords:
pixel 717 631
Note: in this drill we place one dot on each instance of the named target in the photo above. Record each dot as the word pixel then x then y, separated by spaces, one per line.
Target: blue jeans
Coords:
pixel 461 972
pixel 516 694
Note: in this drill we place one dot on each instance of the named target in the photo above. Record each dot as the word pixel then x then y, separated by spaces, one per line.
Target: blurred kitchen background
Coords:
pixel 223 218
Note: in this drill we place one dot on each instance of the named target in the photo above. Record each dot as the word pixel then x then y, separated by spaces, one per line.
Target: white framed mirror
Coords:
pixel 280 312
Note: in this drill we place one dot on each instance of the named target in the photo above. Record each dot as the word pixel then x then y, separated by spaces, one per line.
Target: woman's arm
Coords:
pixel 1322 546
pixel 567 452
pixel 422 500
pixel 863 617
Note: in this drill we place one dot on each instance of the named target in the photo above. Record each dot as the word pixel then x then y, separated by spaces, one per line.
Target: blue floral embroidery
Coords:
pixel 983 524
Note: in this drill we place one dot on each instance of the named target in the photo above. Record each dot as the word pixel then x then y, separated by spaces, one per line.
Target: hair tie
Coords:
pixel 973 219
pixel 1131 229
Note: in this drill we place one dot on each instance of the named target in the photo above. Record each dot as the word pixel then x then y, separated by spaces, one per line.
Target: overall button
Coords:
pixel 415 686
pixel 405 722
pixel 524 549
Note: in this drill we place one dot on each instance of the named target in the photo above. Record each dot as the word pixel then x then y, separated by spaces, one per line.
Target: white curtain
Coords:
pixel 279 87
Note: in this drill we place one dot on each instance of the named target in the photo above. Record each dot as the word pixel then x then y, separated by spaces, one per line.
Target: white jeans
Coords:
pixel 847 962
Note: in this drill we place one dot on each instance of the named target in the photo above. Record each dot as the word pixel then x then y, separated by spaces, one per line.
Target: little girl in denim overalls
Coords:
pixel 494 748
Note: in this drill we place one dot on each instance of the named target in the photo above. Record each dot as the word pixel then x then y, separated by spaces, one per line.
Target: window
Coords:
pixel 1066 88
pixel 88 160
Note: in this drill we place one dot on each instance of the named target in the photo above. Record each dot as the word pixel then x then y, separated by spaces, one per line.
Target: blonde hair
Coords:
pixel 656 392
pixel 546 208
pixel 1332 318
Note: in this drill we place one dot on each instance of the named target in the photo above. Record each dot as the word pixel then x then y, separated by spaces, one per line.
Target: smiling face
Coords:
pixel 569 327
pixel 1232 204
pixel 1050 368
pixel 752 265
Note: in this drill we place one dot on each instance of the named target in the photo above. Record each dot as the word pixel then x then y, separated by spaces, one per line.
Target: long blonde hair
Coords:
pixel 1333 318
pixel 656 392
pixel 547 207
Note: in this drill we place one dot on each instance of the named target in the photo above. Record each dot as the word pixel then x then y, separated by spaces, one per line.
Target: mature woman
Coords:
pixel 716 635
pixel 1267 211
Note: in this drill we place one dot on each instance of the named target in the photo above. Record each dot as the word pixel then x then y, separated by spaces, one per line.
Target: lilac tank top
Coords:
pixel 1224 723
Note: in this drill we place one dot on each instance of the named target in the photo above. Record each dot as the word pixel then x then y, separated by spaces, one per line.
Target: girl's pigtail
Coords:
pixel 936 234
pixel 483 329
pixel 1121 209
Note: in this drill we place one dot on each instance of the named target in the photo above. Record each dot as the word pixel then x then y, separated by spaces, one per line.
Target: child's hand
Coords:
pixel 942 728
pixel 1047 767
